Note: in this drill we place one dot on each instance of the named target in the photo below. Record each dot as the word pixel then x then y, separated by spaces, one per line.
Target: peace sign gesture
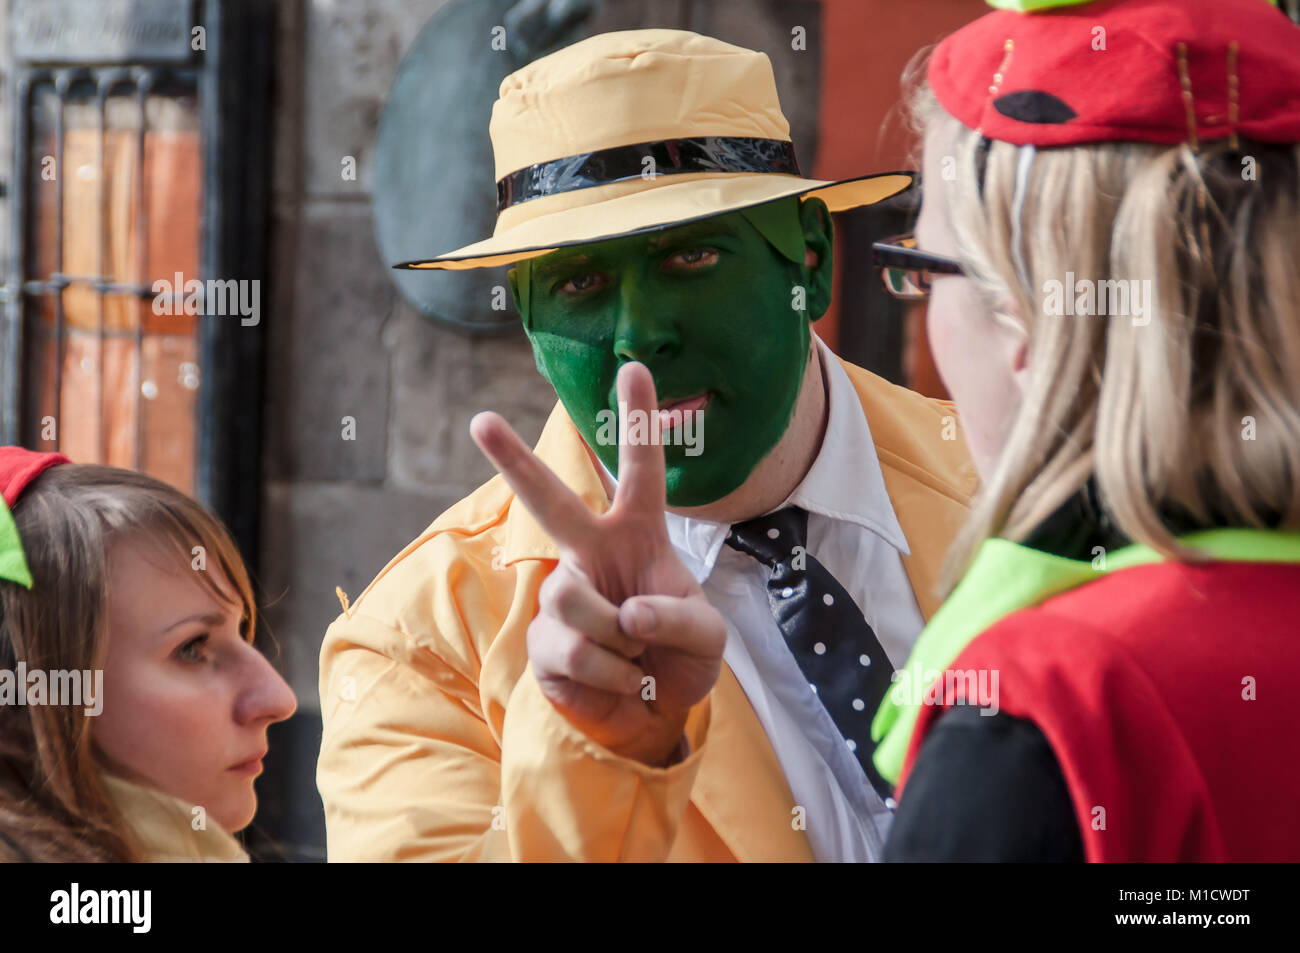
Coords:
pixel 624 642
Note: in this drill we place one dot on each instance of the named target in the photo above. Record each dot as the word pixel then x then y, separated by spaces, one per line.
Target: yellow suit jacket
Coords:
pixel 439 744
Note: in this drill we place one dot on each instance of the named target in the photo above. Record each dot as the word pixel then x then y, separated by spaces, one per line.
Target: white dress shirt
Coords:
pixel 853 532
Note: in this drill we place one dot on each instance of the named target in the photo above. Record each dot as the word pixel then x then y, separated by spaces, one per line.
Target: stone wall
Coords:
pixel 343 343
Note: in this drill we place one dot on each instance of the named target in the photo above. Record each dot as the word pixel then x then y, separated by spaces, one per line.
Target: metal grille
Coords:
pixel 111 201
pixel 152 116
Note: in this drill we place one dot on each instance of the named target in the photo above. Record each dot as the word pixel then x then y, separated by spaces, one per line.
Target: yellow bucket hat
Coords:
pixel 637 131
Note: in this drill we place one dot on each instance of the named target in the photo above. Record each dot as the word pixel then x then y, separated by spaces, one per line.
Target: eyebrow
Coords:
pixel 677 236
pixel 692 232
pixel 207 618
pixel 546 271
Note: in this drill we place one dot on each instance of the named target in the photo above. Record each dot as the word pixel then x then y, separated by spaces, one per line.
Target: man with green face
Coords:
pixel 717 311
pixel 664 633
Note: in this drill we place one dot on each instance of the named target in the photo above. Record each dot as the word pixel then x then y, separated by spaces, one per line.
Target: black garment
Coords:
pixel 826 632
pixel 989 788
pixel 985 788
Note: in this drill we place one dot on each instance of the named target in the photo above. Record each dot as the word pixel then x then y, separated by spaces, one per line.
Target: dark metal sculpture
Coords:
pixel 434 186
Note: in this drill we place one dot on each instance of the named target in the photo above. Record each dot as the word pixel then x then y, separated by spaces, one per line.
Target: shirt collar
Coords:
pixel 844 483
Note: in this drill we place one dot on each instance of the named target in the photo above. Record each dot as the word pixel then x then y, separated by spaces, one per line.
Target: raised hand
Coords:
pixel 624 643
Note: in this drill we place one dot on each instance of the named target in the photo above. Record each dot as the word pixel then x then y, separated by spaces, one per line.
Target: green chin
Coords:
pixel 696 482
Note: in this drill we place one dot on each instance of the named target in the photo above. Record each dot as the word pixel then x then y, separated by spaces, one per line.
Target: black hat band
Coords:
pixel 647 160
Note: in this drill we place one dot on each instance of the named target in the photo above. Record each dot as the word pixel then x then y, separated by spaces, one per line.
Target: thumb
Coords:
pixel 689 624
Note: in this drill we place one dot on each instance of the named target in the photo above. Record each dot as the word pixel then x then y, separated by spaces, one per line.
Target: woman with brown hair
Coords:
pixel 131 594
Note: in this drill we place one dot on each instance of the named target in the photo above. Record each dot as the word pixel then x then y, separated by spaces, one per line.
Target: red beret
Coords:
pixel 1161 71
pixel 19 467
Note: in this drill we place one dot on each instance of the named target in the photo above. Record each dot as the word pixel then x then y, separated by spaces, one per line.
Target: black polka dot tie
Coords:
pixel 824 629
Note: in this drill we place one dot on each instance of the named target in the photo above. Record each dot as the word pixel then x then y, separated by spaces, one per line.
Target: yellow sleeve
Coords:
pixel 569 798
pixel 409 770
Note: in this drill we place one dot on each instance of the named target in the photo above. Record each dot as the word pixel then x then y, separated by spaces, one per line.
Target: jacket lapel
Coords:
pixel 930 480
pixel 929 521
pixel 741 789
pixel 561 448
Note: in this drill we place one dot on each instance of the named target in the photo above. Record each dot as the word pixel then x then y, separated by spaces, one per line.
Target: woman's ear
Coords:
pixel 1015 343
pixel 1020 367
pixel 819 257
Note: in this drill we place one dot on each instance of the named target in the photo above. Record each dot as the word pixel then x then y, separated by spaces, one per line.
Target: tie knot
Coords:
pixel 771 539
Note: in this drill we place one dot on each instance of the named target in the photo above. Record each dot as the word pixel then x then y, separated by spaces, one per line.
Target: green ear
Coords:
pixel 13 564
pixel 778 222
pixel 819 237
pixel 793 227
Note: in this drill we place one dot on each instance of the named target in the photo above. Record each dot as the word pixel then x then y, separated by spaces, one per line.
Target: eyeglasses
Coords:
pixel 907 272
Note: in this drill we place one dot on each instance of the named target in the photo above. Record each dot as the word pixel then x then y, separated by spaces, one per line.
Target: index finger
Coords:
pixel 559 511
pixel 641 461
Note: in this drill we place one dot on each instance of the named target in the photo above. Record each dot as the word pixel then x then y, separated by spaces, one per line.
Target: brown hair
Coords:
pixel 53 806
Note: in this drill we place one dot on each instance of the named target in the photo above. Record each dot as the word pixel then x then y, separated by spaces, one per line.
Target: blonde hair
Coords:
pixel 1159 413
pixel 53 804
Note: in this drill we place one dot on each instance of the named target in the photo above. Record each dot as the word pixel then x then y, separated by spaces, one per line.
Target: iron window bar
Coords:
pixel 139 82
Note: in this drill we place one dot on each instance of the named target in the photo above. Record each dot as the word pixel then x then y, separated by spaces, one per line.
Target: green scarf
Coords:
pixel 1006 577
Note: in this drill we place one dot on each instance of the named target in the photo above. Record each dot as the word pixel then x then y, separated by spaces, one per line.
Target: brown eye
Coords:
pixel 581 283
pixel 192 651
pixel 690 259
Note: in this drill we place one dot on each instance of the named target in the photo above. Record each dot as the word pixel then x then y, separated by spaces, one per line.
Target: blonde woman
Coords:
pixel 139 591
pixel 1109 241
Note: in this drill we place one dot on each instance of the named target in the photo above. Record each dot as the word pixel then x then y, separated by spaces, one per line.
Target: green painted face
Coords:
pixel 712 308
